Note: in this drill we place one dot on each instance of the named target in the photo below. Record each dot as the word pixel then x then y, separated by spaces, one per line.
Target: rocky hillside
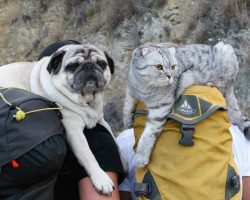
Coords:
pixel 118 26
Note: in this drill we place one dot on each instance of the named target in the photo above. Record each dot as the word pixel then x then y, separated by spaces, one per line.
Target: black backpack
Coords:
pixel 42 119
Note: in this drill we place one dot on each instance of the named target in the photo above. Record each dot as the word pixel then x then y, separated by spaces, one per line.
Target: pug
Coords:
pixel 75 76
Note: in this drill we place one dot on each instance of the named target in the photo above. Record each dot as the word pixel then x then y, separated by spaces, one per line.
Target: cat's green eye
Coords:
pixel 159 67
pixel 172 67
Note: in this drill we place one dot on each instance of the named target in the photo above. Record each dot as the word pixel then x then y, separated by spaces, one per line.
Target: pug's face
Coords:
pixel 83 69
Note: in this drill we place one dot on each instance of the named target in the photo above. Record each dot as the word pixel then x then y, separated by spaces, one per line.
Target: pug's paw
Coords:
pixel 102 182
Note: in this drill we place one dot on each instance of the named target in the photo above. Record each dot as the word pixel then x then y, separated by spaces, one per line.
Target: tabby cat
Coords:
pixel 159 73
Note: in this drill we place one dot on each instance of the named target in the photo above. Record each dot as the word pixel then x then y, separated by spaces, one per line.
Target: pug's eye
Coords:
pixel 102 64
pixel 172 67
pixel 72 67
pixel 159 67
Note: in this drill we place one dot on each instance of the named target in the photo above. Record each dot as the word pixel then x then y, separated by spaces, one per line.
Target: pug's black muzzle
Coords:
pixel 88 79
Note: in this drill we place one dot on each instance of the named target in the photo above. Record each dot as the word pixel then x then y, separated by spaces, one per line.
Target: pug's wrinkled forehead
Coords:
pixel 82 53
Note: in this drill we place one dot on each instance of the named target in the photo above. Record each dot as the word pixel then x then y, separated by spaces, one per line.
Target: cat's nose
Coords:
pixel 168 76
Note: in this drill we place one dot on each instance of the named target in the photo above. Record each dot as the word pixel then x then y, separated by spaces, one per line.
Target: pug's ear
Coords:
pixel 110 62
pixel 56 62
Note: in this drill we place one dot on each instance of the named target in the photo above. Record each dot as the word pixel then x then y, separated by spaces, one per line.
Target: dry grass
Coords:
pixel 228 14
pixel 233 10
pixel 200 34
pixel 82 10
pixel 44 5
pixel 197 26
pixel 108 14
pixel 116 11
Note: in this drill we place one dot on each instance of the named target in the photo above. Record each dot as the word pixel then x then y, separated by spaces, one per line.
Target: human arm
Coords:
pixel 246 188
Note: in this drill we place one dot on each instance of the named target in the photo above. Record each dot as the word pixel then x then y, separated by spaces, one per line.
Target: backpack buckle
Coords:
pixel 141 189
pixel 187 131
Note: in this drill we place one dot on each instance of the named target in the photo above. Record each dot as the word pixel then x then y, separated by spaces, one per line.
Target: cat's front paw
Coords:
pixel 141 160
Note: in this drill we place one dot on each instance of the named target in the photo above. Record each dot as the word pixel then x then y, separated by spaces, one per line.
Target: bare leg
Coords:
pixel 87 191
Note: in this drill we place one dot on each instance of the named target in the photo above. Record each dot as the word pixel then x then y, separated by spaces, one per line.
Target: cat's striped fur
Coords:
pixel 158 74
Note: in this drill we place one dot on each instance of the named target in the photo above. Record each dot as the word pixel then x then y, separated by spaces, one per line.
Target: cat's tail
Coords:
pixel 224 55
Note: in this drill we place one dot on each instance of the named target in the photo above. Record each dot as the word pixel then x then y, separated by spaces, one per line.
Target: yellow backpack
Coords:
pixel 192 158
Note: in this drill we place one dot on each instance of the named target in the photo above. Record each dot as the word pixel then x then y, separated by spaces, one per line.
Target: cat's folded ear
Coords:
pixel 145 51
pixel 142 51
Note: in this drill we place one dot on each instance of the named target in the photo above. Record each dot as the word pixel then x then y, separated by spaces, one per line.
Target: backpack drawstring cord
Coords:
pixel 20 114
